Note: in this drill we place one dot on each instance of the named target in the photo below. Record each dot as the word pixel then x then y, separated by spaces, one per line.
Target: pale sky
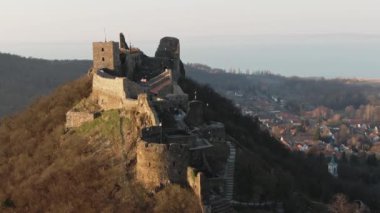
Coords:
pixel 84 20
pixel 285 36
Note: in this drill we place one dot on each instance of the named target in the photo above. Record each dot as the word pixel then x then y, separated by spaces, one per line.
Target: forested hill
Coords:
pixel 333 93
pixel 24 79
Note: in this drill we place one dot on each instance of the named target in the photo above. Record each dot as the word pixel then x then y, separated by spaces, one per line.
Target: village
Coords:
pixel 316 129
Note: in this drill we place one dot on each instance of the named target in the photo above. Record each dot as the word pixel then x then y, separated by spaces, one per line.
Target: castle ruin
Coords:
pixel 172 145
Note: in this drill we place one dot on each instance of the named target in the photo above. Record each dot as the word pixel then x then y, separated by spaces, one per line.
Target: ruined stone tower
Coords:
pixel 161 164
pixel 169 48
pixel 106 56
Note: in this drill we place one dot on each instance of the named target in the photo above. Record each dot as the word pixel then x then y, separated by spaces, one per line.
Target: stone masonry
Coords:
pixel 161 164
pixel 76 119
pixel 106 55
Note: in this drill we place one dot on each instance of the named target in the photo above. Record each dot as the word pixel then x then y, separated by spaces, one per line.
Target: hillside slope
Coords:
pixel 45 168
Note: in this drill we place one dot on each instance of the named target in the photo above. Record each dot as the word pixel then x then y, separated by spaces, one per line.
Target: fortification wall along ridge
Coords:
pixel 108 84
pixel 161 164
pixel 114 92
pixel 197 182
pixel 134 60
pixel 144 106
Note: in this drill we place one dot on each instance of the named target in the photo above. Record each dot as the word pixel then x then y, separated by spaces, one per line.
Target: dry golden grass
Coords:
pixel 181 200
pixel 45 169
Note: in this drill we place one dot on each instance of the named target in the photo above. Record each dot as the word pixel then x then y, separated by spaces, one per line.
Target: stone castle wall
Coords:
pixel 76 119
pixel 178 97
pixel 194 116
pixel 111 92
pixel 214 132
pixel 197 182
pixel 161 164
pixel 114 92
pixel 181 139
pixel 144 106
pixel 134 59
pixel 108 84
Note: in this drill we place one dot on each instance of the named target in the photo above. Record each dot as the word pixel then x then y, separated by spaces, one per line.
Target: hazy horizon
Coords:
pixel 329 38
pixel 306 56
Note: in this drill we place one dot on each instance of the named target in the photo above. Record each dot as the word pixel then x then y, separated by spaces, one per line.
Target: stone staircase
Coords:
pixel 220 205
pixel 229 172
pixel 229 189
